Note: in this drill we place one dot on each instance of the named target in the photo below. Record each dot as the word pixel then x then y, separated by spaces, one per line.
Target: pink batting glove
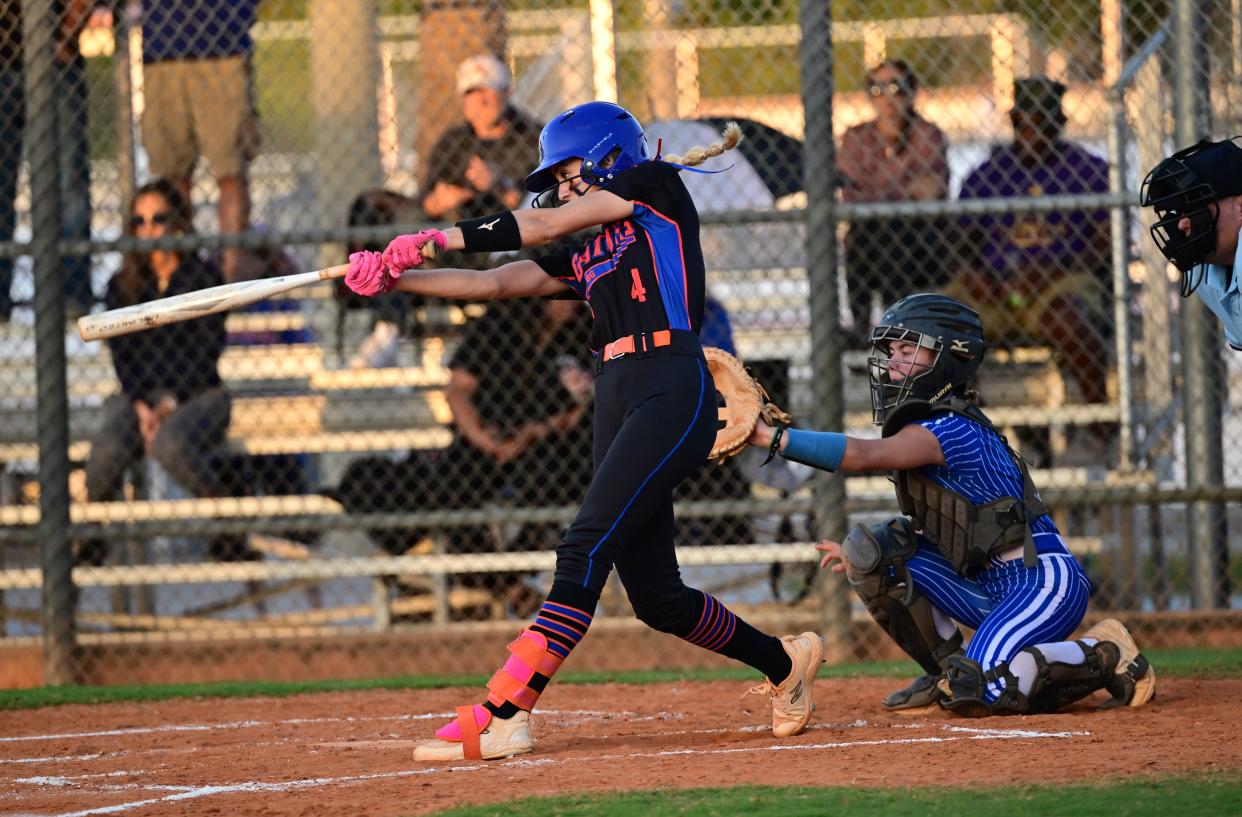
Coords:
pixel 367 274
pixel 406 251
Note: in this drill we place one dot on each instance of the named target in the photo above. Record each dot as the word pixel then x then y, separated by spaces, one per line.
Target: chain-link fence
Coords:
pixel 324 485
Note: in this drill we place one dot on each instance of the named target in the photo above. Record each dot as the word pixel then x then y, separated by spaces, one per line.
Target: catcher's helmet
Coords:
pixel 590 132
pixel 1185 186
pixel 949 328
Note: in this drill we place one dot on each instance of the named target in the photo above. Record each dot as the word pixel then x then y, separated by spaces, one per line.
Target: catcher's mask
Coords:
pixel 1187 186
pixel 592 132
pixel 949 329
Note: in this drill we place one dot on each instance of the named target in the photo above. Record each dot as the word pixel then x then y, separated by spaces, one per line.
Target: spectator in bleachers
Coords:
pixel 199 101
pixel 1041 276
pixel 520 390
pixel 519 387
pixel 477 167
pixel 898 156
pixel 391 311
pixel 172 405
pixel 72 146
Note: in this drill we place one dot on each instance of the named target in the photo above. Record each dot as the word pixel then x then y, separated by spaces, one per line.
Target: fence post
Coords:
pixel 816 54
pixel 603 34
pixel 1203 371
pixel 345 70
pixel 49 301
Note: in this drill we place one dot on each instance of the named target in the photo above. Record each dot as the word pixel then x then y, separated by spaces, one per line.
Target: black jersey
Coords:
pixel 643 273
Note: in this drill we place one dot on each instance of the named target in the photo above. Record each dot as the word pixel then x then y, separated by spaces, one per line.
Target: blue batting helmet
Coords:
pixel 589 132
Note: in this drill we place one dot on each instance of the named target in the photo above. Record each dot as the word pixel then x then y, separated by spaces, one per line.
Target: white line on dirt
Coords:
pixel 61 759
pixel 208 727
pixel 956 733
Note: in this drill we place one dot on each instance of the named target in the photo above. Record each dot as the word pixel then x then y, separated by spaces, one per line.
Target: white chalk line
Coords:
pixel 252 724
pixel 58 759
pixel 182 793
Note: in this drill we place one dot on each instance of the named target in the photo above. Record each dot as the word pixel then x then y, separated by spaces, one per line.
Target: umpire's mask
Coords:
pixel 1186 187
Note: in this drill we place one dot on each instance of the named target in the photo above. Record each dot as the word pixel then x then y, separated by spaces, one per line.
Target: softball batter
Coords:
pixel 976 546
pixel 655 416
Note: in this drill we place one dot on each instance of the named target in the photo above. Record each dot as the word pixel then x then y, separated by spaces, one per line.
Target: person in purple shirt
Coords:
pixel 1041 276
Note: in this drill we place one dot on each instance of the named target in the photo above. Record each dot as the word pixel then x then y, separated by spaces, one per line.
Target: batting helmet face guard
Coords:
pixel 1183 190
pixel 950 331
pixel 591 132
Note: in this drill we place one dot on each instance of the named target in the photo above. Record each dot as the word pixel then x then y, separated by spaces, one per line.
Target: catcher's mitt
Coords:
pixel 745 401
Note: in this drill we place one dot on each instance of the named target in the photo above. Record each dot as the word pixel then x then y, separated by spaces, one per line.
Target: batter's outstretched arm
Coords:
pixel 517 279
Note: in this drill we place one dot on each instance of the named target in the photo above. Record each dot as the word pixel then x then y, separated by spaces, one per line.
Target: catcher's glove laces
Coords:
pixel 745 402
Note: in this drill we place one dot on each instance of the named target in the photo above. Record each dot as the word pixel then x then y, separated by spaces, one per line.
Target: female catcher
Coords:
pixel 655 418
pixel 976 544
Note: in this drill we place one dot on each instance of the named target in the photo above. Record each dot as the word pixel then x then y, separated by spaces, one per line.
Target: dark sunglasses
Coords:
pixel 158 218
pixel 888 88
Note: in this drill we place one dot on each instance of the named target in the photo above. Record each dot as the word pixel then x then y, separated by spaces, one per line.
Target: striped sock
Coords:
pixel 563 621
pixel 716 624
pixel 562 625
pixel 719 630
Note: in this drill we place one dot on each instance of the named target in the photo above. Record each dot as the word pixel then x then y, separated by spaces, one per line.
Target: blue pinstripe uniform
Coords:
pixel 1008 605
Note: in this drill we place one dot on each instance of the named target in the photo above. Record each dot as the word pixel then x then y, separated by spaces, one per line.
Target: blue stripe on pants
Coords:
pixel 1009 606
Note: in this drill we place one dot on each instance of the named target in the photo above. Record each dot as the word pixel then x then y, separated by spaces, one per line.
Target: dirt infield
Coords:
pixel 349 753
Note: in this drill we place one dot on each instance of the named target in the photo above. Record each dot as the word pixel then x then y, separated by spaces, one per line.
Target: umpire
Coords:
pixel 1197 197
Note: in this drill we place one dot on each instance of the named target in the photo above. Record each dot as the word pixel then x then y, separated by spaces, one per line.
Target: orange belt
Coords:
pixel 636 343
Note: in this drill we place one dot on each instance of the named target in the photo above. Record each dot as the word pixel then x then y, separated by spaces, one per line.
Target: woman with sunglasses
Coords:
pixel 897 156
pixel 172 405
pixel 655 407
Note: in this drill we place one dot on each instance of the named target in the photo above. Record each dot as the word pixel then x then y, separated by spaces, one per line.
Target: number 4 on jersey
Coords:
pixel 637 291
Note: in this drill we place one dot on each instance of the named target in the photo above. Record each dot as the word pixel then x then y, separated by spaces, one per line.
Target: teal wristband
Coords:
pixel 819 449
pixel 775 444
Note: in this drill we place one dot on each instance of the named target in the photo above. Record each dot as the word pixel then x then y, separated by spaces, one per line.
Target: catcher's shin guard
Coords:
pixel 529 656
pixel 1058 685
pixel 1054 684
pixel 876 558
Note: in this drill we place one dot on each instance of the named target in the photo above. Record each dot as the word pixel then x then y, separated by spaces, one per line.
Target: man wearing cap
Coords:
pixel 1197 196
pixel 1041 276
pixel 476 167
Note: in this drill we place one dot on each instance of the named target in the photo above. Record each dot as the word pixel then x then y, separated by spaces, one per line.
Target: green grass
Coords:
pixel 1196 662
pixel 1198 794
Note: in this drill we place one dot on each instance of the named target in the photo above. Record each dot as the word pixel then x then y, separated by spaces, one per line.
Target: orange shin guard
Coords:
pixel 528 656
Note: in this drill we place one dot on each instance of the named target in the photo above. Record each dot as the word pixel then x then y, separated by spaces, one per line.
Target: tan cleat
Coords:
pixel 1134 680
pixel 496 738
pixel 791 700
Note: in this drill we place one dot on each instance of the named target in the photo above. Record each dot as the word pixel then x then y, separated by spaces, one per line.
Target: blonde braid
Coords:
pixel 731 137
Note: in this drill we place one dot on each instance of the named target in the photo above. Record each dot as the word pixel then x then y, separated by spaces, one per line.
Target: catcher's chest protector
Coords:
pixel 966 534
